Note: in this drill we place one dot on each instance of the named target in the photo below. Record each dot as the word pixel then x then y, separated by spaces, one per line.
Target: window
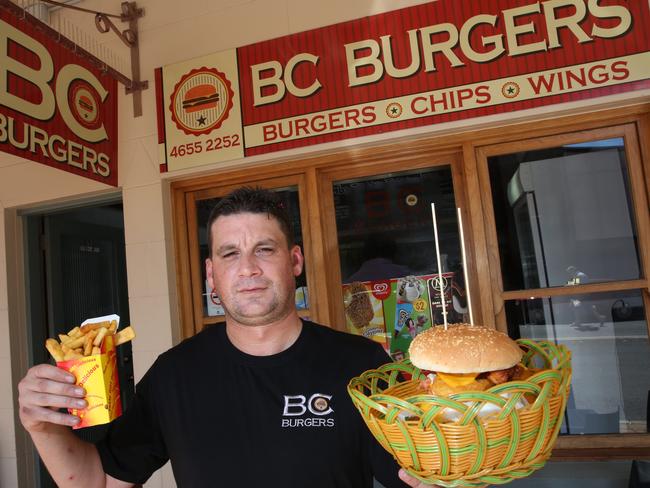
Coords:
pixel 391 289
pixel 570 226
pixel 289 197
pixel 563 215
pixel 200 307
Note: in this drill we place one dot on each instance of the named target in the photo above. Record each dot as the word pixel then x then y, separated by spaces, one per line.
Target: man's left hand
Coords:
pixel 413 482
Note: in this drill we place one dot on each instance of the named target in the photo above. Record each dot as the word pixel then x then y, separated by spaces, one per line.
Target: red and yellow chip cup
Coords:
pixel 89 353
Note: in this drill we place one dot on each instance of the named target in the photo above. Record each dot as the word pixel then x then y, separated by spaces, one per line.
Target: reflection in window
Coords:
pixel 391 289
pixel 564 216
pixel 608 338
pixel 289 198
pixel 388 218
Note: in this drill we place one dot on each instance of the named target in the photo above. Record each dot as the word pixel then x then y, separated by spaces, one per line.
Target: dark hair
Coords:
pixel 251 200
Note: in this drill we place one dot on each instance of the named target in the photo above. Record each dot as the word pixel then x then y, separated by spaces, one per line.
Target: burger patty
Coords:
pixel 501 375
pixel 517 372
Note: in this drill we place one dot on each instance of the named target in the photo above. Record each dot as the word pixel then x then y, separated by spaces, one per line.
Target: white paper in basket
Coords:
pixel 448 415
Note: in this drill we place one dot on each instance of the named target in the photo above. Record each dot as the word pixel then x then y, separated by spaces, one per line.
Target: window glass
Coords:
pixel 564 216
pixel 384 223
pixel 289 197
pixel 389 216
pixel 608 338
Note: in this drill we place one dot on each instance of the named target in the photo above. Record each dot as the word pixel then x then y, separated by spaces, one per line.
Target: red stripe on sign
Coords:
pixel 442 61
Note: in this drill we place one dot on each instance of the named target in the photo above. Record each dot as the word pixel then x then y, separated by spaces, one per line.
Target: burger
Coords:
pixel 86 104
pixel 466 358
pixel 200 97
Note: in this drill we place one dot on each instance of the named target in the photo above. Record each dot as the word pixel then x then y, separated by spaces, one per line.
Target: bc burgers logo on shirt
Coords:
pixel 307 411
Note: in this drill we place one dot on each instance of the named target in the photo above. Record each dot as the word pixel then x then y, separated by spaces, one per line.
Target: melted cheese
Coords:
pixel 457 379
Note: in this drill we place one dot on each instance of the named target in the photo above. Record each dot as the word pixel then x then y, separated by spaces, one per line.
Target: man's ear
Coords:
pixel 208 272
pixel 297 260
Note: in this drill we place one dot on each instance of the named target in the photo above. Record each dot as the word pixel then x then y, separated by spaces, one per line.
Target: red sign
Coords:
pixel 455 48
pixel 55 108
pixel 431 63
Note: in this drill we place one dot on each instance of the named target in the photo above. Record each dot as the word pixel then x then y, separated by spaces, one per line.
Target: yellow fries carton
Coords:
pixel 97 374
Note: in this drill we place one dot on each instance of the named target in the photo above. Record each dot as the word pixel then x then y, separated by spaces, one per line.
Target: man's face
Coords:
pixel 252 269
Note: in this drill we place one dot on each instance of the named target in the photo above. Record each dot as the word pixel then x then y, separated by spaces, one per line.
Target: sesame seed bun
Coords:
pixel 463 348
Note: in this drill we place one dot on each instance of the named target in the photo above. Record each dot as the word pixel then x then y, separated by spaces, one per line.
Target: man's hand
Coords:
pixel 42 392
pixel 411 481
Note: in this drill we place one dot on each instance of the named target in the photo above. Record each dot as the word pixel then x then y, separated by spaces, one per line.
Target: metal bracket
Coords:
pixel 130 13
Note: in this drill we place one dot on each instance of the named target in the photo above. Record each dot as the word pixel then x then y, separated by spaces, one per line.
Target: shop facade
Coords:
pixel 549 201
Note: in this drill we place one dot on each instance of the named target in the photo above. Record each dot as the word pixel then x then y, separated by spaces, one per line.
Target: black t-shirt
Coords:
pixel 226 418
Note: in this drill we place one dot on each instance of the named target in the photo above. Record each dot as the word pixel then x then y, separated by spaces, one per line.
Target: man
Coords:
pixel 261 401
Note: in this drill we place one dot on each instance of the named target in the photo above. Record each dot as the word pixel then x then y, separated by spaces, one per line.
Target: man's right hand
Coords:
pixel 43 391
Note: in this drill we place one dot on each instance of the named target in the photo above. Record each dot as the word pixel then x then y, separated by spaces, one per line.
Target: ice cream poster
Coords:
pixel 364 309
pixel 407 312
pixel 394 311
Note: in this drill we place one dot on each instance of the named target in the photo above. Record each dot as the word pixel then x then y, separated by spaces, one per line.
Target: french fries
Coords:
pixel 54 349
pixel 86 340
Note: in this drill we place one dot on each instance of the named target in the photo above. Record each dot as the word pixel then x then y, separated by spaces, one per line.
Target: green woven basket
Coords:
pixel 450 441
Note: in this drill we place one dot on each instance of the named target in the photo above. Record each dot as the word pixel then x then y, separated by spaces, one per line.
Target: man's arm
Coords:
pixel 71 461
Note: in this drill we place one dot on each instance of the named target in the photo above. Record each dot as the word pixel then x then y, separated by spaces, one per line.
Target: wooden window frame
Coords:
pixel 188 256
pixel 572 447
pixel 327 178
pixel 468 148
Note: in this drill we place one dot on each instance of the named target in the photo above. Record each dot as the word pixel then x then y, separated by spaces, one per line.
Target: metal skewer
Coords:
pixel 462 250
pixel 440 282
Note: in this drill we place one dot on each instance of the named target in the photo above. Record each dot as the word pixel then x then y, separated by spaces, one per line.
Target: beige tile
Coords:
pixel 32 182
pixel 150 147
pixel 131 127
pixel 143 214
pixel 9 160
pixel 196 8
pixel 142 361
pixel 155 481
pixel 307 15
pixel 3 263
pixel 6 388
pixel 136 269
pixel 157 268
pixel 5 346
pixel 137 168
pixel 168 476
pixel 7 437
pixel 146 269
pixel 212 30
pixel 151 321
pixel 8 473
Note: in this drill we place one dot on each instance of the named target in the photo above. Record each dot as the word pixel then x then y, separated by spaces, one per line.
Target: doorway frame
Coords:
pixel 19 313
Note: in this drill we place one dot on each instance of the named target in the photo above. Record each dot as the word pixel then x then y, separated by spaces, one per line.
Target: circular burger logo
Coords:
pixel 201 101
pixel 84 104
pixel 320 404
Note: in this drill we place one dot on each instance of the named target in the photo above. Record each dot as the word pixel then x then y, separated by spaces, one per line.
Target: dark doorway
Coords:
pixel 76 265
